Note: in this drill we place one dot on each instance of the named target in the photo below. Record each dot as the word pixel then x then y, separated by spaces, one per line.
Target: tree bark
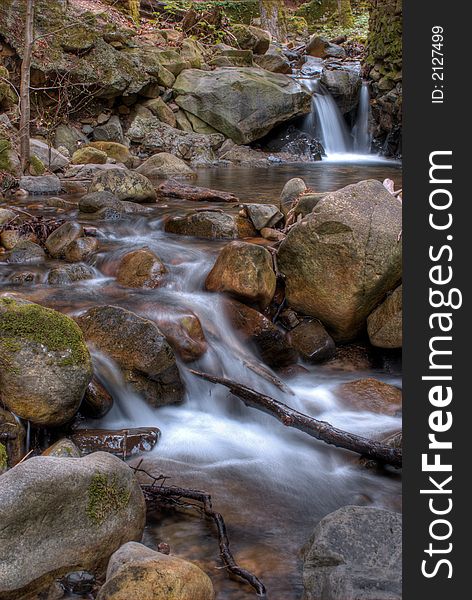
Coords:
pixel 320 430
pixel 25 101
pixel 274 18
pixel 345 13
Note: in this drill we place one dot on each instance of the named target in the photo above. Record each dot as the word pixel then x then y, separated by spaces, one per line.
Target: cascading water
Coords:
pixel 361 130
pixel 330 124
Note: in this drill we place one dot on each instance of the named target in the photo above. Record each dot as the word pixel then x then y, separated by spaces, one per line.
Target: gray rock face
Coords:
pixel 242 103
pixel 354 554
pixel 344 86
pixel 42 184
pixel 263 215
pixel 139 348
pixel 111 131
pixel 50 157
pixel 341 259
pixel 291 191
pixel 46 366
pixel 64 514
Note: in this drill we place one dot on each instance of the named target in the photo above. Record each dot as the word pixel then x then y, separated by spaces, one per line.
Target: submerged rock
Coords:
pixel 135 571
pixel 69 274
pixel 370 394
pixel 77 510
pixel 139 348
pixel 124 184
pixel 122 442
pixel 342 259
pixel 354 553
pixel 245 271
pixel 385 323
pixel 242 103
pixel 141 269
pixel 46 365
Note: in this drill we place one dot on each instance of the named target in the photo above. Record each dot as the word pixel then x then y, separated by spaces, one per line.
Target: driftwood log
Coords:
pixel 158 495
pixel 320 430
pixel 183 191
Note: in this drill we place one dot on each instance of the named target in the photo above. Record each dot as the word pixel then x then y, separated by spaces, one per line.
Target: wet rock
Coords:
pixel 385 323
pixel 351 358
pixel 94 201
pixel 123 442
pixel 97 401
pixel 292 190
pixel 48 365
pixel 22 278
pixel 354 553
pixel 165 165
pixel 108 213
pixel 43 184
pixel 155 136
pixel 344 86
pixel 139 348
pixel 81 250
pixel 60 238
pixel 245 271
pixel 182 191
pixel 342 259
pixel 185 334
pixel 274 61
pixel 312 341
pixel 141 269
pixel 124 184
pixel 370 394
pixel 70 273
pixel 49 156
pixel 273 235
pixel 77 510
pixel 89 155
pixel 205 224
pixel 322 48
pixel 26 251
pixel 9 238
pixel 161 110
pixel 242 103
pixel 111 131
pixel 63 448
pixel 61 203
pixel 12 438
pixel 263 215
pixel 271 343
pixel 252 38
pixel 136 571
pixel 114 150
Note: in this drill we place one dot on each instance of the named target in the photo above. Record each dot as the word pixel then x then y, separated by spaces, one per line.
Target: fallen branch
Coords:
pixel 158 494
pixel 320 430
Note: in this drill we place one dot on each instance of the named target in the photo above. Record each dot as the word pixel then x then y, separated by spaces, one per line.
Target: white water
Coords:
pixel 361 130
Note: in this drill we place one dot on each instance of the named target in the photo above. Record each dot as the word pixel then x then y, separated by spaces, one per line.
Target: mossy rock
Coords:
pixel 36 166
pixel 89 156
pixel 114 150
pixel 9 162
pixel 46 366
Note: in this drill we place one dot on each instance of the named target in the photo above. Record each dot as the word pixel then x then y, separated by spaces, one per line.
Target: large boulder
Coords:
pixel 242 103
pixel 252 38
pixel 385 323
pixel 274 61
pixel 48 155
pixel 245 271
pixel 344 86
pixel 341 259
pixel 135 571
pixel 77 511
pixel 155 136
pixel 321 48
pixel 165 165
pixel 124 184
pixel 46 365
pixel 355 553
pixel 140 349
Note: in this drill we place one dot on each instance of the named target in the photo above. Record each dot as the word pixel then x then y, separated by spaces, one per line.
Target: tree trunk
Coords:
pixel 345 13
pixel 25 101
pixel 274 18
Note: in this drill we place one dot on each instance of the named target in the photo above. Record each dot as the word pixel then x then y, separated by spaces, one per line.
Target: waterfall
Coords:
pixel 329 123
pixel 361 129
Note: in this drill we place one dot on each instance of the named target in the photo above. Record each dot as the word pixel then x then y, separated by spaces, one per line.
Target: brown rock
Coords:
pixel 141 269
pixel 244 270
pixel 312 341
pixel 64 235
pixel 185 334
pixel 12 439
pixel 97 401
pixel 371 395
pixel 81 249
pixel 385 323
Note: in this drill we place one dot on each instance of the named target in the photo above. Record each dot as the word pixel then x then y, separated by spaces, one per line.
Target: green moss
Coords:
pixel 5 161
pixel 36 165
pixel 3 458
pixel 50 328
pixel 105 497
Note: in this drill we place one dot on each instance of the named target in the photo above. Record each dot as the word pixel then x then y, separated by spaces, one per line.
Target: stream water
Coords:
pixel 271 484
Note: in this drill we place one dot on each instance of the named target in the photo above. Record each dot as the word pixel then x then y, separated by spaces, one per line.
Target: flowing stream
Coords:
pixel 272 484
